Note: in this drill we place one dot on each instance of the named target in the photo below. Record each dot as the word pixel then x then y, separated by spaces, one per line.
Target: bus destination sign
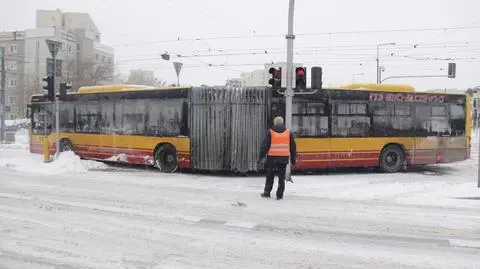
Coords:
pixel 402 97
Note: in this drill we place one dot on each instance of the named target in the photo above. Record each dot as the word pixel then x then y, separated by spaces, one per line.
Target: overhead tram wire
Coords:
pixel 259 51
pixel 179 39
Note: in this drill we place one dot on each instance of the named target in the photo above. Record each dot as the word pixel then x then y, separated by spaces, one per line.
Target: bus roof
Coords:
pixel 121 88
pixel 377 87
pixel 139 88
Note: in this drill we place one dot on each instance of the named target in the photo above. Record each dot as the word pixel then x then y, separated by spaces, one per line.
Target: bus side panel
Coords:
pixel 130 149
pixel 36 144
pixel 455 149
pixel 313 153
pixel 425 150
pixel 321 153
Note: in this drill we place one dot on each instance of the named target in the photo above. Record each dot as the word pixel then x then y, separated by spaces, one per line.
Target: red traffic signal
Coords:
pixel 300 72
pixel 301 78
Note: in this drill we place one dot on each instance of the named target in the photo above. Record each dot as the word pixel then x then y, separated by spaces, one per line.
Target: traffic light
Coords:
pixel 63 88
pixel 276 78
pixel 301 78
pixel 452 70
pixel 49 87
pixel 316 77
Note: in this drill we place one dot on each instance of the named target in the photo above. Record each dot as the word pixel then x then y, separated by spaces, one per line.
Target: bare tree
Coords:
pixel 142 77
pixel 84 73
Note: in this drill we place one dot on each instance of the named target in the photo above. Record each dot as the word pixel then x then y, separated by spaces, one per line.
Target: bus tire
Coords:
pixel 392 159
pixel 166 158
pixel 66 145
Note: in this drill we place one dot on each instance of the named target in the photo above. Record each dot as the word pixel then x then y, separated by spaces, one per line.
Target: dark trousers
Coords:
pixel 280 169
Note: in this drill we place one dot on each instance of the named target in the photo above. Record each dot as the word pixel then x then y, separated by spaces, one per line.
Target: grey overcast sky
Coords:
pixel 340 36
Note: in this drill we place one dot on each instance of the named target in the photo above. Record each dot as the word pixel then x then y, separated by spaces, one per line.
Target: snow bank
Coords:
pixel 17 157
pixel 67 162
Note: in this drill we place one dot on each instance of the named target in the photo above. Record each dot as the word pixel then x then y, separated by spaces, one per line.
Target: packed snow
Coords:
pixel 16 157
pixel 74 213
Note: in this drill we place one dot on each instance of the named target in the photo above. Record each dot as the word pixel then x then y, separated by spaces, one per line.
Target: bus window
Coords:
pixel 164 117
pixel 350 119
pixel 457 119
pixel 67 115
pixel 133 117
pixel 379 119
pixel 309 119
pixel 440 123
pixel 310 126
pixel 423 117
pixel 87 117
pixel 106 125
pixel 42 119
pixel 401 120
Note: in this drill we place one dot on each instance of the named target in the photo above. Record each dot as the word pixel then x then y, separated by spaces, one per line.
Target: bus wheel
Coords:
pixel 166 159
pixel 392 159
pixel 66 145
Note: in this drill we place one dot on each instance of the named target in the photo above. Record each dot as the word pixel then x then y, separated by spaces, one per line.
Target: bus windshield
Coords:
pixel 42 119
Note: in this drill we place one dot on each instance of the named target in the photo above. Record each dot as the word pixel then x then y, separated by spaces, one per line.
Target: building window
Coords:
pixel 11 66
pixel 13 82
pixel 13 100
pixel 13 48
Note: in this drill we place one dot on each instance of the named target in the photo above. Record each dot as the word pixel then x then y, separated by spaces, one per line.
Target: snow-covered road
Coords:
pixel 78 214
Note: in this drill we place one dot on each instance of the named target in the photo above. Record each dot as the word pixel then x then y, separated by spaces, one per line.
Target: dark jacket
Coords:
pixel 274 160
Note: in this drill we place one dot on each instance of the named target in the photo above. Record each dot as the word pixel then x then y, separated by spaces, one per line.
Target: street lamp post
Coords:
pixel 379 81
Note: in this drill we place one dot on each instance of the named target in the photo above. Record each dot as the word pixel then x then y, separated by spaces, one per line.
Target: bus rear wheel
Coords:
pixel 66 145
pixel 166 159
pixel 392 159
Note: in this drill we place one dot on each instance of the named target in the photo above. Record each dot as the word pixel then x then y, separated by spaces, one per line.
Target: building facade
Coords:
pixel 15 75
pixel 142 77
pixel 82 58
pixel 94 61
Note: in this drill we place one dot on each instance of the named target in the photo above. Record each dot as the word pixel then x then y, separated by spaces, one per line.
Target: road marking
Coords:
pixel 191 218
pixel 211 221
pixel 464 243
pixel 238 224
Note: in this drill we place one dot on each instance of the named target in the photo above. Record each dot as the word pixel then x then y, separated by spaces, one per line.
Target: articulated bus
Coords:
pixel 360 125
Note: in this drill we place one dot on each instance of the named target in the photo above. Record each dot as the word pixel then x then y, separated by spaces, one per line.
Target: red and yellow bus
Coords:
pixel 359 125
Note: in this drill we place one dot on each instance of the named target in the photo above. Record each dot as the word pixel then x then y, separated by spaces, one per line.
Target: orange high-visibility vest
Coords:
pixel 279 144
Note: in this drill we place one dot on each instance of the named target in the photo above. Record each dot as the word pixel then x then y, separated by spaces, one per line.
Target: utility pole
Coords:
pixel 379 80
pixel 2 95
pixel 289 91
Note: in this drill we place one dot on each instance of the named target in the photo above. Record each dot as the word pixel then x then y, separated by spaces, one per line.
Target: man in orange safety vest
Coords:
pixel 278 147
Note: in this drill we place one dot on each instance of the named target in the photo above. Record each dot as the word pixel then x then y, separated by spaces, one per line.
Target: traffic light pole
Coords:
pixel 57 111
pixel 2 95
pixel 289 91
